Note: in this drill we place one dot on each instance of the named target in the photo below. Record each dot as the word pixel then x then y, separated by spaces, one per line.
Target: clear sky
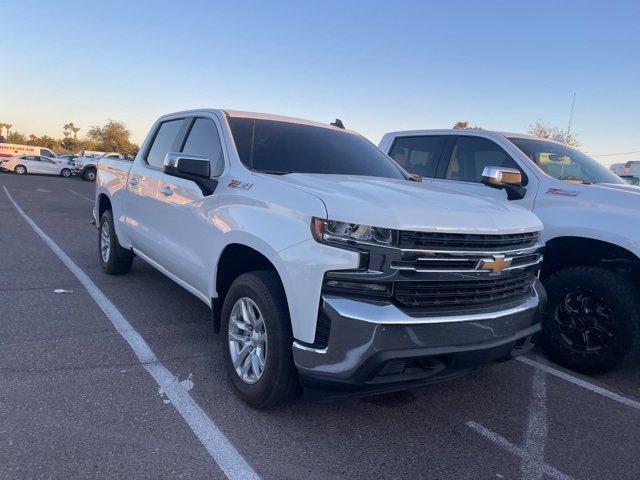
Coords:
pixel 379 66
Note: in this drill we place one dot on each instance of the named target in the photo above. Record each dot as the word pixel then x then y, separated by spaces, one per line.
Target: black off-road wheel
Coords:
pixel 256 340
pixel 592 319
pixel 114 259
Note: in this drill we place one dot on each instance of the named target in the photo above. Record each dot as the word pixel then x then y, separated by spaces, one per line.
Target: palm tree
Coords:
pixel 8 127
pixel 461 125
pixel 75 130
pixel 2 125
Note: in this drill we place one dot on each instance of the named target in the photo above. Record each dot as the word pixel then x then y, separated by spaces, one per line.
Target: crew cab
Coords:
pixel 324 264
pixel 591 230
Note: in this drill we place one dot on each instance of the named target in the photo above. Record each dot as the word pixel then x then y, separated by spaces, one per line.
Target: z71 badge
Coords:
pixel 240 185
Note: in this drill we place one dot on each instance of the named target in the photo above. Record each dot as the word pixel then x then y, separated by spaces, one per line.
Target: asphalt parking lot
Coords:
pixel 77 402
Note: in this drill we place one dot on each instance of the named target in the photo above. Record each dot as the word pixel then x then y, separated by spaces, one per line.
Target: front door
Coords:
pixel 463 161
pixel 182 207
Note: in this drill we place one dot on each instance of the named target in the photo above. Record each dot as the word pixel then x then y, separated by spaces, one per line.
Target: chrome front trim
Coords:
pixel 472 270
pixel 391 315
pixel 309 349
pixel 475 253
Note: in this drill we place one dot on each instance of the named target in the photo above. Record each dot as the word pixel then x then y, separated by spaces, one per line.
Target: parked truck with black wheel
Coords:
pixel 591 230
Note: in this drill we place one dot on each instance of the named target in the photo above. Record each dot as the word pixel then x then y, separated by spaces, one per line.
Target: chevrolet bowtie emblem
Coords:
pixel 495 264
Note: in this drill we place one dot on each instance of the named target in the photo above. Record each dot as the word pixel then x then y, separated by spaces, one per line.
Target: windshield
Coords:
pixel 281 147
pixel 564 162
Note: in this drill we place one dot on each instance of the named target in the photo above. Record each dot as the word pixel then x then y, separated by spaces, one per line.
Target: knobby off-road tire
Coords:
pixel 592 319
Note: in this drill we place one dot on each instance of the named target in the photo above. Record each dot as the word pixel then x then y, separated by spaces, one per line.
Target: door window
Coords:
pixel 204 140
pixel 163 142
pixel 471 154
pixel 418 154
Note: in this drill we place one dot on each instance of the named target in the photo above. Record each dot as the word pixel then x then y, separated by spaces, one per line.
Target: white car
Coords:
pixel 321 260
pixel 591 230
pixel 36 164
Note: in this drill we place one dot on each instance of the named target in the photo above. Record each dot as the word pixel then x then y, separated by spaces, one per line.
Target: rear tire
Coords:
pixel 89 175
pixel 20 169
pixel 277 382
pixel 65 172
pixel 592 319
pixel 114 259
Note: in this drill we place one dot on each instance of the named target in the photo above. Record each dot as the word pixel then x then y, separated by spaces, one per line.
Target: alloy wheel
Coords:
pixel 105 246
pixel 247 338
pixel 584 320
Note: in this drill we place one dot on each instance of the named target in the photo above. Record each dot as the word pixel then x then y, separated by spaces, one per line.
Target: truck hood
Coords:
pixel 404 205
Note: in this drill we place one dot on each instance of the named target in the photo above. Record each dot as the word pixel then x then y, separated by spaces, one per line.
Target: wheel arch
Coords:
pixel 104 204
pixel 236 259
pixel 573 251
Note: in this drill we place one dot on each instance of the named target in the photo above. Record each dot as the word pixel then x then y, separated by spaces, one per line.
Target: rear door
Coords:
pixel 191 242
pixel 464 160
pixel 33 164
pixel 146 231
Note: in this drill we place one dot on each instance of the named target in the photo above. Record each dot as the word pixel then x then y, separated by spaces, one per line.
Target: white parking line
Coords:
pixel 535 436
pixel 82 196
pixel 519 451
pixel 581 383
pixel 223 452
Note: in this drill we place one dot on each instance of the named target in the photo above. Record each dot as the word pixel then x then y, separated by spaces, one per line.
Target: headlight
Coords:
pixel 332 231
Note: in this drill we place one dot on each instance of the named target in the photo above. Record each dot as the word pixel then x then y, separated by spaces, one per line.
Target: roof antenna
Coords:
pixel 573 102
pixel 338 123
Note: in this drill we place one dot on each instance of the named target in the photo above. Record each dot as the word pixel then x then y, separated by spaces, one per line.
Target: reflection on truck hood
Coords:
pixel 405 205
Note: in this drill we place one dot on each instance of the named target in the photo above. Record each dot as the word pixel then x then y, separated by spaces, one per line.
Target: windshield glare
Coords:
pixel 564 162
pixel 282 147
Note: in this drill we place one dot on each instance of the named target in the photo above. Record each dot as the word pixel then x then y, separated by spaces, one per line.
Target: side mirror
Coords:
pixel 508 178
pixel 415 177
pixel 187 165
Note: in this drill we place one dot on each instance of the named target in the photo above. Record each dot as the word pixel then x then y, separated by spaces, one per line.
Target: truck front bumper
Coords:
pixel 377 348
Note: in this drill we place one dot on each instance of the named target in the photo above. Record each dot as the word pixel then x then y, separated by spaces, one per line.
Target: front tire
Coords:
pixel 592 319
pixel 89 175
pixel 65 172
pixel 20 170
pixel 256 341
pixel 114 259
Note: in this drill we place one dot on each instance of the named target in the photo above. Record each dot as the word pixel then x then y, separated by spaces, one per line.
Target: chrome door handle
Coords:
pixel 133 182
pixel 166 190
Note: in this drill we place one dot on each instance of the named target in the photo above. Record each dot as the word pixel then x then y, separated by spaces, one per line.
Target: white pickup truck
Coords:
pixel 591 230
pixel 86 165
pixel 323 263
